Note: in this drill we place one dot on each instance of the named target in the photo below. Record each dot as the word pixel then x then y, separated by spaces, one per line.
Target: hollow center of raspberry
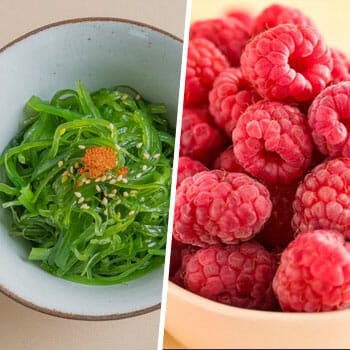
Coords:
pixel 272 157
pixel 297 63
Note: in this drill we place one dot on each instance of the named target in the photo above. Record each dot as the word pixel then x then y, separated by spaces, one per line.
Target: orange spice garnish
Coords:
pixel 97 161
pixel 123 171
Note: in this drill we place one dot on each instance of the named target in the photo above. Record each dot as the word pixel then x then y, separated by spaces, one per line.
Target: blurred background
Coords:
pixel 330 16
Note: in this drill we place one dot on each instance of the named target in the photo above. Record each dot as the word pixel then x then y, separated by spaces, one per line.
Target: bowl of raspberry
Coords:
pixel 260 253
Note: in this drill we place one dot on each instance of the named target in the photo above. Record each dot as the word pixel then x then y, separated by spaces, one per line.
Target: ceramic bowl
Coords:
pixel 102 52
pixel 197 322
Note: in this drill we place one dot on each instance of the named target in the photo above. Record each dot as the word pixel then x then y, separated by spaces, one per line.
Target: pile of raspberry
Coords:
pixel 262 210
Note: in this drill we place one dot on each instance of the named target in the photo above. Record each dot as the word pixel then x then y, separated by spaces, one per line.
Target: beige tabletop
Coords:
pixel 331 17
pixel 22 328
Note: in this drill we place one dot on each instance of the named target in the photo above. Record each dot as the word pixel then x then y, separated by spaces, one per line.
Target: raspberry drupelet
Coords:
pixel 272 142
pixel 322 200
pixel 226 160
pixel 204 62
pixel 219 207
pixel 287 63
pixel 340 71
pixel 235 275
pixel 230 97
pixel 228 34
pixel 276 14
pixel 314 273
pixel 200 138
pixel 329 120
pixel 188 167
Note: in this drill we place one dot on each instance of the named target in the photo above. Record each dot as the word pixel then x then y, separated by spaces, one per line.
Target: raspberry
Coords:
pixel 180 257
pixel 226 160
pixel 272 142
pixel 230 97
pixel 322 200
pixel 314 273
pixel 234 275
pixel 278 232
pixel 243 16
pixel 204 62
pixel 188 167
pixel 216 206
pixel 287 63
pixel 340 70
pixel 228 34
pixel 200 140
pixel 275 14
pixel 329 120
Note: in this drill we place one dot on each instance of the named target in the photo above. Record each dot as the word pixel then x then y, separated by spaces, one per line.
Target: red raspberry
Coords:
pixel 272 142
pixel 216 206
pixel 243 16
pixel 188 167
pixel 235 275
pixel 228 34
pixel 278 232
pixel 340 70
pixel 204 62
pixel 322 200
pixel 180 257
pixel 226 160
pixel 287 63
pixel 200 140
pixel 276 14
pixel 314 273
pixel 230 97
pixel 329 120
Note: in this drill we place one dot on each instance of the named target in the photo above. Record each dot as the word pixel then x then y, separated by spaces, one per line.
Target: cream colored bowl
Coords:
pixel 101 52
pixel 197 322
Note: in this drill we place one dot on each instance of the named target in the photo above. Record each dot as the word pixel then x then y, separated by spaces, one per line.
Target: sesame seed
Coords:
pixel 125 180
pixel 114 191
pixel 109 177
pixel 132 212
pixel 105 212
pixel 84 206
pixel 62 131
pixel 144 167
pixel 111 195
pixel 105 193
pixel 104 201
pixel 81 146
pixel 125 194
pixel 146 156
pixel 124 97
pixel 98 188
pixel 71 169
pixel 78 194
pixel 139 145
pixel 156 156
pixel 81 200
pixel 113 181
pixel 138 175
pixel 98 179
pixel 65 173
pixel 103 178
pixel 119 178
pixel 87 181
pixel 60 164
pixel 118 202
pixel 137 97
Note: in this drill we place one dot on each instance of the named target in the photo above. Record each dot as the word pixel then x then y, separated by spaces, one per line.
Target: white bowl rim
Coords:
pixel 227 310
pixel 3 289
